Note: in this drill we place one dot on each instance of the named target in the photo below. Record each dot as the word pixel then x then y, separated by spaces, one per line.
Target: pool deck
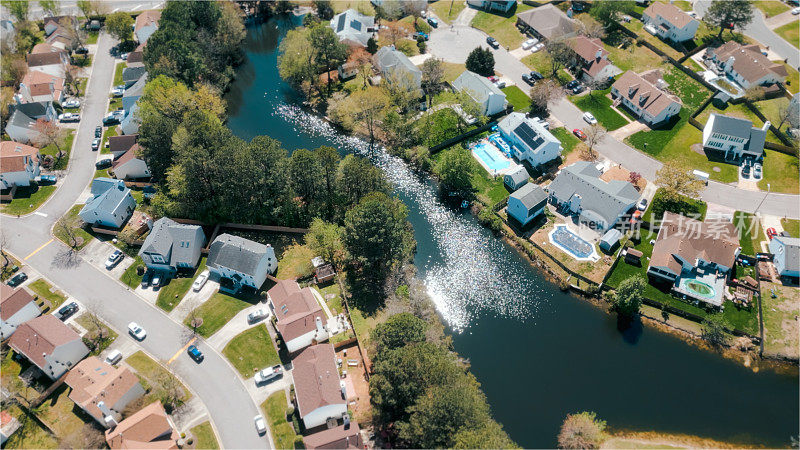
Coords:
pixel 592 257
pixel 711 279
pixel 511 166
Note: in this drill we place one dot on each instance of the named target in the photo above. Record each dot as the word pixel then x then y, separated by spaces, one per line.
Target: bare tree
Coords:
pixel 87 436
pixel 48 133
pixel 363 62
pixel 784 114
pixel 543 93
pixel 414 8
pixel 3 244
pixel 169 390
pixel 561 55
pixel 97 330
pixel 76 35
pixel 432 76
pixel 594 135
pixel 73 80
pixel 593 29
pixel 66 227
pixel 395 31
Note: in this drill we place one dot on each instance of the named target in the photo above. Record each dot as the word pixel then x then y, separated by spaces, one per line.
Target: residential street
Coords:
pixel 454 45
pixel 214 381
pixel 69 7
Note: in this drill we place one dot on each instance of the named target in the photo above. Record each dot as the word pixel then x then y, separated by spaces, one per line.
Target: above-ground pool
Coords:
pixel 698 288
pixel 491 158
pixel 571 243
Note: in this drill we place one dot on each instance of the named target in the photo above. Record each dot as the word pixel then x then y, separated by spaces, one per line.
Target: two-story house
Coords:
pixel 41 87
pixel 102 390
pixel 149 428
pixel 300 317
pixel 17 306
pixel 133 93
pixel 786 255
pixel 319 395
pixel 527 203
pixel 669 22
pixel 745 64
pixel 240 262
pixel 593 61
pixel 130 166
pixel 111 204
pixel 172 246
pixel 19 164
pixel 736 138
pixel 485 93
pixel 642 95
pixel 49 344
pixel 353 28
pixel 500 6
pixel 529 140
pixel 396 67
pixel 50 62
pixel 547 22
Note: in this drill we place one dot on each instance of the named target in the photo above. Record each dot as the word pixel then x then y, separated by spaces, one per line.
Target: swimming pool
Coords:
pixel 698 289
pixel 490 156
pixel 501 144
pixel 571 243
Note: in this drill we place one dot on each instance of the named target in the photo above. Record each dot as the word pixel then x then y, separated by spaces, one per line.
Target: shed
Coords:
pixel 610 240
pixel 633 256
pixel 516 178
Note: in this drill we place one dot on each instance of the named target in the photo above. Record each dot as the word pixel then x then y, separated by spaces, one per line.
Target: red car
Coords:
pixel 771 233
pixel 581 135
pixel 493 78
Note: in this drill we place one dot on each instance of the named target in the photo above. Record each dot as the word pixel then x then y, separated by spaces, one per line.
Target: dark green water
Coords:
pixel 538 353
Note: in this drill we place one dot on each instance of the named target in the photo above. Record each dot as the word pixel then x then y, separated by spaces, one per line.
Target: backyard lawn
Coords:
pixel 217 311
pixel 295 262
pixel 771 109
pixel 780 324
pixel 447 11
pixel 452 71
pixel 30 434
pixel 487 190
pixel 517 98
pixel 152 371
pixel 568 140
pixel 204 436
pixel 43 289
pixel 638 27
pixel 790 32
pixel 170 295
pixel 130 277
pixel 793 79
pixel 599 105
pixel 502 27
pixel 791 226
pixel 61 414
pixel 632 57
pixel 692 93
pixel 283 434
pixel 251 351
pixel 780 172
pixel 71 218
pixel 28 199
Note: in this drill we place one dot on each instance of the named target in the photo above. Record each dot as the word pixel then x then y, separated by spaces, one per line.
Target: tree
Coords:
pixel 66 227
pixel 402 89
pixel 328 162
pixel 610 13
pixel 325 239
pixel 754 93
pixel 542 93
pixel 455 171
pixel 76 35
pixel 50 7
pixel 120 25
pixel 594 135
pixel 729 14
pixel 324 9
pixel 481 61
pixel 48 133
pixel 677 181
pixel 14 68
pixel 372 46
pixel 398 330
pixel 297 61
pixel 363 62
pixel 304 177
pixel 330 52
pixel 368 108
pixel 17 8
pixel 87 436
pixel 87 7
pixel 395 31
pixel 628 297
pixel 582 431
pixel 169 390
pixel 488 435
pixel 713 329
pixel 356 178
pixel 27 35
pixel 432 77
pixel 97 331
pixel 560 55
pixel 784 115
pixel 414 8
pixel 73 79
pixel 593 29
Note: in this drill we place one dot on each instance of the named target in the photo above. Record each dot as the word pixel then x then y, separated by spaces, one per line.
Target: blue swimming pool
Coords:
pixel 500 143
pixel 491 156
pixel 571 242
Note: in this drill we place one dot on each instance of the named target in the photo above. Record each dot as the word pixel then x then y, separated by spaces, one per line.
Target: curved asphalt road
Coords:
pixel 214 381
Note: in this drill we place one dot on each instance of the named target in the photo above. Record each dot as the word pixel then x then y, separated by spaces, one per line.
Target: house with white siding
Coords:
pixel 642 95
pixel 529 140
pixel 527 203
pixel 786 251
pixel 669 22
pixel 19 164
pixel 318 393
pixel 49 344
pixel 485 93
pixel 300 319
pixel 111 204
pixel 737 138
pixel 129 165
pixel 171 246
pixel 17 306
pixel 745 64
pixel 240 262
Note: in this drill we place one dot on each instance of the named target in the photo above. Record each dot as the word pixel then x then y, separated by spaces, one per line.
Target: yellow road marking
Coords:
pixel 37 250
pixel 175 356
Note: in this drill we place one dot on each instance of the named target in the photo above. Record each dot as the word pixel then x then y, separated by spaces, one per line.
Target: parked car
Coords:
pixel 636 216
pixel 111 119
pixel 146 279
pixel 536 75
pixel 529 44
pixel 421 34
pixel 257 315
pixel 136 331
pixel 47 179
pixel 572 84
pixel 578 89
pixel 195 353
pixel 526 77
pixel 200 281
pixel 120 113
pixel 500 84
pixel 642 205
pixel 17 279
pixel 537 47
pixel 82 51
pixel 796 11
pixel 746 171
pixel 123 56
pixel 493 78
pixel 545 124
pixel 114 357
pixel 103 163
pixel 492 42
pixel 580 134
pixel 156 281
pixel 69 117
pixel 433 22
pixel 268 374
pixel 117 92
pixel 114 259
pixel 757 171
pixel 589 118
pixel 96 145
pixel 261 426
pixel 98 132
pixel 68 310
pixel 771 233
pixel 72 103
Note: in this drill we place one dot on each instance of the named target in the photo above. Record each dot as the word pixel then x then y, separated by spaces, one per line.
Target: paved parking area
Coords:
pixel 261 392
pixel 96 253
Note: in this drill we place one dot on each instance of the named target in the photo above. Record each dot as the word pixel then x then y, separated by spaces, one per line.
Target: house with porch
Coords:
pixel 301 321
pixel 527 203
pixel 49 344
pixel 485 93
pixel 17 306
pixel 644 96
pixel 669 22
pixel 746 65
pixel 240 262
pixel 172 246
pixel 19 164
pixel 593 63
pixel 102 390
pixel 736 138
pixel 529 139
pixel 111 204
pixel 547 22
pixel 786 255
pixel 318 392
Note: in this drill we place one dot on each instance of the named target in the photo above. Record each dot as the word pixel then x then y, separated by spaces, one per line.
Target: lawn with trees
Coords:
pixel 251 351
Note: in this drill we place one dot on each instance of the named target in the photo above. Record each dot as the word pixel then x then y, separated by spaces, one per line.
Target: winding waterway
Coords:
pixel 538 353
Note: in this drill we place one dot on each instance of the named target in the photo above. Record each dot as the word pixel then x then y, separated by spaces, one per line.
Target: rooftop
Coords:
pixel 316 379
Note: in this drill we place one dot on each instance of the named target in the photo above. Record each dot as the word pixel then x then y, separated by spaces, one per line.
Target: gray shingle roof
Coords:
pixel 531 195
pixel 138 88
pixel 33 109
pixel 732 126
pixel 19 119
pixel 108 195
pixel 236 253
pixel 167 238
pixel 131 74
pixel 519 175
pixel 479 87
pixel 388 58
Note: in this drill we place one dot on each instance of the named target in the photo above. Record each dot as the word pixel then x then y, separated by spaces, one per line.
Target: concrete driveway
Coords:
pixel 97 252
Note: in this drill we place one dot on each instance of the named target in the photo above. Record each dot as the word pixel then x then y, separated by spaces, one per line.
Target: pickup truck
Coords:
pixel 268 374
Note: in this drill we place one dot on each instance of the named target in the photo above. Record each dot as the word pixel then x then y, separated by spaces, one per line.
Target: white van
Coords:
pixel 114 357
pixel 699 175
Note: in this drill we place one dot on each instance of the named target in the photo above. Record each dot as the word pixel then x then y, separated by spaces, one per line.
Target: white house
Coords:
pixel 49 344
pixel 130 166
pixel 353 28
pixel 667 21
pixel 17 306
pixel 319 394
pixel 102 390
pixel 146 24
pixel 19 164
pixel 130 123
pixel 593 59
pixel 527 203
pixel 493 5
pixel 240 262
pixel 300 317
pixel 133 93
pixel 171 246
pixel 111 204
pixel 485 93
pixel 516 178
pixel 529 140
pixel 735 137
pixel 21 128
pixel 786 251
pixel 644 98
pixel 745 64
pixel 396 67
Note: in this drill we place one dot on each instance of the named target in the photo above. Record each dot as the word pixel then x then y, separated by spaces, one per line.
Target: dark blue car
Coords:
pixel 195 353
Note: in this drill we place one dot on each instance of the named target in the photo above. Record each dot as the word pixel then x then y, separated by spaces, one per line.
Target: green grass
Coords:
pixel 501 27
pixel 539 61
pixel 216 312
pixel 61 413
pixel 114 103
pixel 28 199
pixel 82 60
pixel 771 109
pixel 632 57
pixel 452 71
pixel 791 226
pixel 107 134
pixel 66 149
pixel 487 190
pixel 686 206
pixel 30 434
pixel 517 98
pixel 771 7
pixel 568 140
pixel 283 434
pixel 295 262
pixel 692 93
pixel 84 321
pixel 600 106
pixel 72 217
pixel 204 436
pixel 149 369
pixel 780 323
pixel 447 11
pixel 118 74
pixel 42 288
pixel 692 64
pixel 790 33
pixel 251 351
pixel 780 172
pixel 638 27
pixel 130 277
pixel 751 232
pixel 92 37
pixel 170 295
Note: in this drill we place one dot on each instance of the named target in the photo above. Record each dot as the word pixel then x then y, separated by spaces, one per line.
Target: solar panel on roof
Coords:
pixel 340 25
pixel 530 137
pixel 356 25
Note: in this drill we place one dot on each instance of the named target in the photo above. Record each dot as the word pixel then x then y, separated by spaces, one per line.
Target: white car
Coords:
pixel 257 315
pixel 72 103
pixel 527 45
pixel 589 118
pixel 268 374
pixel 114 259
pixel 114 357
pixel 537 47
pixel 261 426
pixel 123 56
pixel 69 117
pixel 500 84
pixel 642 205
pixel 136 331
pixel 117 92
pixel 796 11
pixel 200 281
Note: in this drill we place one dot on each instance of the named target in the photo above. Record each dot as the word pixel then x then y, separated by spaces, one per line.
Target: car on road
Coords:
pixel 642 205
pixel 114 357
pixel 146 279
pixel 421 34
pixel 526 77
pixel 195 353
pixel 98 132
pixel 72 103
pixel 117 92
pixel 268 374
pixel 17 279
pixel 580 134
pixel 137 331
pixel 200 281
pixel 529 44
pixel 433 22
pixel 257 315
pixel 114 259
pixel 69 117
pixel 492 42
pixel 47 179
pixel 103 163
pixel 771 233
pixel 261 426
pixel 68 310
pixel 589 118
pixel 796 11
pixel 96 145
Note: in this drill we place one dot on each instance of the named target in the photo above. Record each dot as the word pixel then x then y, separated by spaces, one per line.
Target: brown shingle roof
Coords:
pixel 670 13
pixel 12 300
pixel 147 17
pixel 148 428
pixel 316 379
pixel 714 241
pixel 44 59
pixel 335 438
pixel 122 143
pixel 748 62
pixel 40 336
pixel 33 77
pixel 548 21
pixel 127 156
pixel 296 309
pixel 12 156
pixel 93 381
pixel 642 93
pixel 46 48
pixel 592 53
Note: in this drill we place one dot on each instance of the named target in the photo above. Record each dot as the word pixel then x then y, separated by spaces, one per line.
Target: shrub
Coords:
pixel 583 430
pixel 421 45
pixel 490 220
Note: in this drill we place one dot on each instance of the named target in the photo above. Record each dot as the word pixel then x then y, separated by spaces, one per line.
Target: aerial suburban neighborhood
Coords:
pixel 352 224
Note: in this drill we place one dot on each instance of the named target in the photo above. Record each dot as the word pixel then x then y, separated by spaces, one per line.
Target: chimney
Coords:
pixel 766 126
pixel 108 416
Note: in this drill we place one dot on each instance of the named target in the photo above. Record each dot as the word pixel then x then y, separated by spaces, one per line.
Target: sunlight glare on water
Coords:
pixel 468 279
